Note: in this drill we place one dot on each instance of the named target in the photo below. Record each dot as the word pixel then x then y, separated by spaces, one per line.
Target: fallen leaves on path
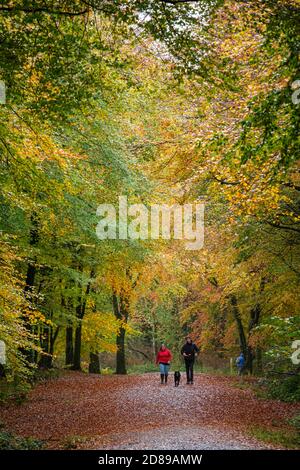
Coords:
pixel 103 407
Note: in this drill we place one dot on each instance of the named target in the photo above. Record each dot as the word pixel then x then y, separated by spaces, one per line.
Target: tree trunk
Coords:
pixel 47 344
pixel 69 349
pixel 255 313
pixel 53 337
pixel 77 349
pixel 45 359
pixel 94 365
pixel 31 269
pixel 121 314
pixel 238 320
pixel 80 311
pixel 29 283
pixel 153 333
pixel 249 360
pixel 120 358
pixel 259 366
pixel 30 275
pixel 121 311
pixel 69 346
pixel 2 371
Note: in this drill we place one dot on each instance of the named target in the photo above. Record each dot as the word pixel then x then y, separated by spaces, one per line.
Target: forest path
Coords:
pixel 136 412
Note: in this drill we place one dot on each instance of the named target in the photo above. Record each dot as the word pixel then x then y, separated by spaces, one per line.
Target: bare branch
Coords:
pixel 43 10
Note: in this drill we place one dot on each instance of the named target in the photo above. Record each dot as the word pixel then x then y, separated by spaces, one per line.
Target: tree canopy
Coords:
pixel 166 102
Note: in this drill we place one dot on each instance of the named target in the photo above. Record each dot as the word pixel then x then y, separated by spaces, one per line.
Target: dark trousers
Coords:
pixel 189 366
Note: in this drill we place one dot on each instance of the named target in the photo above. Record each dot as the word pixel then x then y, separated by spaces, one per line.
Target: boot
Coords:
pixel 161 378
pixel 166 378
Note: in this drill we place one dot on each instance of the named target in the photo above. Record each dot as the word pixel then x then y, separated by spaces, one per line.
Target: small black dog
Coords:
pixel 177 376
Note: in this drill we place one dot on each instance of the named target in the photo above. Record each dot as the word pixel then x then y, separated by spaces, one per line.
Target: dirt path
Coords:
pixel 136 412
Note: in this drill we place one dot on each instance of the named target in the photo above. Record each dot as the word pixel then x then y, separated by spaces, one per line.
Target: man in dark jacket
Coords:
pixel 189 351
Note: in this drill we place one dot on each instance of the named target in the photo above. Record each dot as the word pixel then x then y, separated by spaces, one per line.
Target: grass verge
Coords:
pixel 288 438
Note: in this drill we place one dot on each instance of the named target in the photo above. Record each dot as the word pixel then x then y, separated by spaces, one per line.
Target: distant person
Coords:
pixel 164 358
pixel 189 351
pixel 240 363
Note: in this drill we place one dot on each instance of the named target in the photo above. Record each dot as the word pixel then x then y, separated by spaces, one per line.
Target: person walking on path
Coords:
pixel 164 358
pixel 189 351
pixel 240 363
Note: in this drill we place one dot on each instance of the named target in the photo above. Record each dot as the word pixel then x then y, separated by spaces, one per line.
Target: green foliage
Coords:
pixel 295 421
pixel 9 441
pixel 285 388
pixel 15 391
pixel 74 442
pixel 142 368
pixel 280 438
pixel 41 375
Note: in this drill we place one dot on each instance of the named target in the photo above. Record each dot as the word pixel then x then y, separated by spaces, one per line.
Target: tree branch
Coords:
pixel 44 10
pixel 138 351
pixel 223 181
pixel 283 227
pixel 291 185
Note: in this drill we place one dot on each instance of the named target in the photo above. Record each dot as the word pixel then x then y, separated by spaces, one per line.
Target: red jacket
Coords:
pixel 164 356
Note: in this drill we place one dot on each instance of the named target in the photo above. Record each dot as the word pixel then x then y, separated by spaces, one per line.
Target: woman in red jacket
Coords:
pixel 164 358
